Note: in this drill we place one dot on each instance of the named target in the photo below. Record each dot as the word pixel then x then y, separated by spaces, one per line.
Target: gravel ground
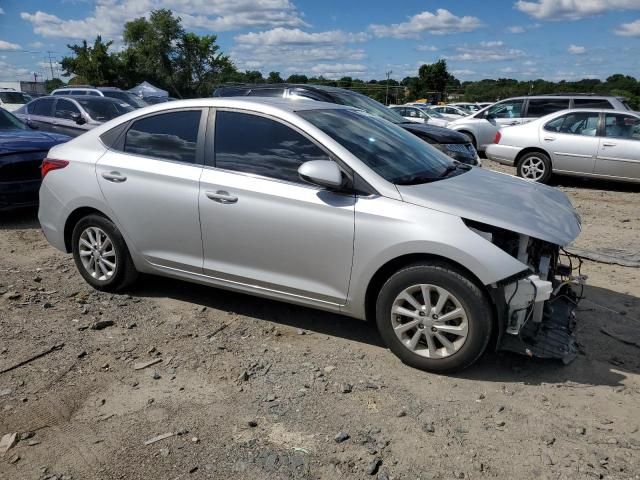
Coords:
pixel 251 388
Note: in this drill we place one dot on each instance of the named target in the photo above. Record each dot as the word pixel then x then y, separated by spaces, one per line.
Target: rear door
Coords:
pixel 40 114
pixel 619 149
pixel 572 141
pixel 151 181
pixel 262 226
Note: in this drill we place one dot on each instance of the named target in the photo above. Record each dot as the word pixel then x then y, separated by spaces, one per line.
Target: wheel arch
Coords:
pixel 74 217
pixel 524 151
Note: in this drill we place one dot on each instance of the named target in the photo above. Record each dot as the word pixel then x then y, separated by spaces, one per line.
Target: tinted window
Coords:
pixel 591 103
pixel 172 136
pixel 125 97
pixel 103 109
pixel 579 123
pixel 300 92
pixel 41 107
pixel 65 109
pixel 544 106
pixel 622 126
pixel 78 92
pixel 389 150
pixel 13 97
pixel 267 92
pixel 509 109
pixel 252 144
pixel 61 92
pixel 412 112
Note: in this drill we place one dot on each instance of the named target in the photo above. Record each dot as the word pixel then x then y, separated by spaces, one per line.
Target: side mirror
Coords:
pixel 31 125
pixel 324 173
pixel 79 119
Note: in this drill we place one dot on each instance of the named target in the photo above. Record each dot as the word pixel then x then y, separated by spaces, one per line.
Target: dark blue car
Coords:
pixel 22 150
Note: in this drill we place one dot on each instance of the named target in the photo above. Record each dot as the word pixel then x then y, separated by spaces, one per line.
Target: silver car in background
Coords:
pixel 586 143
pixel 420 115
pixel 321 205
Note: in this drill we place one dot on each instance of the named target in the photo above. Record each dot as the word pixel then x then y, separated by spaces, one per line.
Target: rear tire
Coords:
pixel 101 254
pixel 535 166
pixel 447 332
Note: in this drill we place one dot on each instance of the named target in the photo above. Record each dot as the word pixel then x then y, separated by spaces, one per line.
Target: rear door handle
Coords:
pixel 608 144
pixel 115 177
pixel 221 197
pixel 549 139
pixel 513 123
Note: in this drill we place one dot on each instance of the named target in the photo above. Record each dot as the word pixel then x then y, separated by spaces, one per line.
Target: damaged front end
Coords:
pixel 536 308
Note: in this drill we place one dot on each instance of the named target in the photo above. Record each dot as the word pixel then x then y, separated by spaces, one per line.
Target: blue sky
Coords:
pixel 524 39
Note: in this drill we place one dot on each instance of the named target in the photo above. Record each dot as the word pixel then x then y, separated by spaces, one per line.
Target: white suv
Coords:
pixel 11 99
pixel 111 92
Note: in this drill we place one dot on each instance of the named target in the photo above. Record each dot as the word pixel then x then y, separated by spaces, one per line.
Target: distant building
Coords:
pixel 25 86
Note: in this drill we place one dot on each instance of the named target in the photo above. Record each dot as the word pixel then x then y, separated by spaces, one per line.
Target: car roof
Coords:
pixel 308 86
pixel 285 104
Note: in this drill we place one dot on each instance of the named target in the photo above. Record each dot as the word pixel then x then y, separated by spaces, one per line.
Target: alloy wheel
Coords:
pixel 97 253
pixel 533 168
pixel 429 321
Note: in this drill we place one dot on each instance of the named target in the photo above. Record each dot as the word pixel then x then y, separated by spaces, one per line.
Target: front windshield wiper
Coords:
pixel 449 169
pixel 414 179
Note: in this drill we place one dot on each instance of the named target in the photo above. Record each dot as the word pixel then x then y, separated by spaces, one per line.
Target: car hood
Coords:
pixel 15 141
pixel 503 201
pixel 437 134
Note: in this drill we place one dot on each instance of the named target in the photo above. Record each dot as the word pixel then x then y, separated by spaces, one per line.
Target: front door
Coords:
pixel 152 187
pixel 264 228
pixel 572 142
pixel 64 121
pixel 619 150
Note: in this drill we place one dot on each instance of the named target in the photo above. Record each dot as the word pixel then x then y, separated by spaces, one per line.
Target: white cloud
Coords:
pixel 294 50
pixel 1 11
pixel 36 44
pixel 572 9
pixel 463 72
pixel 10 72
pixel 629 29
pixel 9 46
pixel 576 50
pixel 516 29
pixel 109 16
pixel 485 52
pixel 426 48
pixel 439 23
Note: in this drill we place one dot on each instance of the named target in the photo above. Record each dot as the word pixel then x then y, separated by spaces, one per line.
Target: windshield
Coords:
pixel 9 122
pixel 369 105
pixel 393 153
pixel 104 110
pixel 13 97
pixel 127 97
pixel 431 113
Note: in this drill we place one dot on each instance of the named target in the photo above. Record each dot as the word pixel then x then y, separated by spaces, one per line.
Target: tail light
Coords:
pixel 49 164
pixel 497 137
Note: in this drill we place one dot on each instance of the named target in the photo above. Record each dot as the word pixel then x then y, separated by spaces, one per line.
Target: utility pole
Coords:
pixel 35 77
pixel 386 97
pixel 50 64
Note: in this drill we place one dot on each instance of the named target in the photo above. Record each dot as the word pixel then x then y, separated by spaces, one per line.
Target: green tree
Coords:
pixel 274 77
pixel 93 63
pixel 295 78
pixel 434 77
pixel 253 76
pixel 51 85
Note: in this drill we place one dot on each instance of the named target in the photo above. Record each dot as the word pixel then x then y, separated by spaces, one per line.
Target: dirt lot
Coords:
pixel 257 389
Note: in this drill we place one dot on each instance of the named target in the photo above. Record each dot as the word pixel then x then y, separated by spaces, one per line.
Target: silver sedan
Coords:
pixel 586 143
pixel 321 205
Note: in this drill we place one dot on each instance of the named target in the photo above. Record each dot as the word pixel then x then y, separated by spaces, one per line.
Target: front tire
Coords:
pixel 535 166
pixel 101 254
pixel 434 318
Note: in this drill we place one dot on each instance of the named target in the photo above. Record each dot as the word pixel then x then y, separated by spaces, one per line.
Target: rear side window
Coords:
pixel 41 107
pixel 507 109
pixel 577 123
pixel 78 92
pixel 256 145
pixel 169 136
pixel 622 126
pixel 591 103
pixel 544 106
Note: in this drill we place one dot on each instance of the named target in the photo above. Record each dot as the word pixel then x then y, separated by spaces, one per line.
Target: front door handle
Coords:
pixel 221 197
pixel 115 177
pixel 549 139
pixel 608 144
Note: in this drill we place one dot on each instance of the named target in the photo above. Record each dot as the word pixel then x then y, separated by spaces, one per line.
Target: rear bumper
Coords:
pixel 52 216
pixel 504 154
pixel 19 194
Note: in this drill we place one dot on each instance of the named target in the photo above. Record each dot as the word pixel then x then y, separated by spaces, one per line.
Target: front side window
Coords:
pixel 169 136
pixel 41 107
pixel 389 150
pixel 66 110
pixel 577 123
pixel 618 125
pixel 259 146
pixel 510 109
pixel 412 112
pixel 544 106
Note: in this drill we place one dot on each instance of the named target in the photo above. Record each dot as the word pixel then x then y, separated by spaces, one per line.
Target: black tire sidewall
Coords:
pixel 472 299
pixel 547 165
pixel 122 253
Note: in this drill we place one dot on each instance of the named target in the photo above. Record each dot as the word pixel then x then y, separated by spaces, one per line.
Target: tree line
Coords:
pixel 160 51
